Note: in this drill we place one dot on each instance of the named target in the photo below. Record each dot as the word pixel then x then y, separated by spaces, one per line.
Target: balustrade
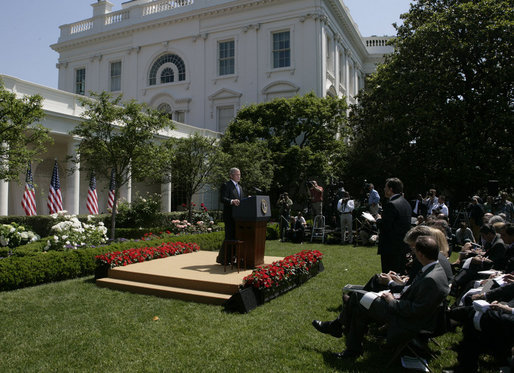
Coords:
pixel 162 6
pixel 116 17
pixel 81 26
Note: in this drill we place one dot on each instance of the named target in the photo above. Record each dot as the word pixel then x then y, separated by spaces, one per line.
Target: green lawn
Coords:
pixel 75 326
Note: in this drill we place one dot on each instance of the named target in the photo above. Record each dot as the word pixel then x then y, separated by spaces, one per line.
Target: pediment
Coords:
pixel 224 93
pixel 280 87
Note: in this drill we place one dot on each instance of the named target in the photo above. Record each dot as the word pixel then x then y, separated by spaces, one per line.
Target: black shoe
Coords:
pixel 347 354
pixel 328 327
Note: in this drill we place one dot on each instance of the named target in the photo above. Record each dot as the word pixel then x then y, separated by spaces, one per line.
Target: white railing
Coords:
pixel 116 17
pixel 81 26
pixel 162 6
pixel 377 42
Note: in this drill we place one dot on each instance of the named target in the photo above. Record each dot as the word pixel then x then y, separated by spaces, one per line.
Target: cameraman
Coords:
pixel 345 207
pixel 316 195
pixel 284 204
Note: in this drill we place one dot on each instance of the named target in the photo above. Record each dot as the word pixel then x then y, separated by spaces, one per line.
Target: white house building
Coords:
pixel 199 60
pixel 202 60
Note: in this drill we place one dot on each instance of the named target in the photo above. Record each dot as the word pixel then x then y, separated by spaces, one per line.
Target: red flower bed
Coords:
pixel 285 272
pixel 130 256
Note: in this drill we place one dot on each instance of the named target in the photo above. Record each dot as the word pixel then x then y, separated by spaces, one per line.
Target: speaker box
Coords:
pixel 243 301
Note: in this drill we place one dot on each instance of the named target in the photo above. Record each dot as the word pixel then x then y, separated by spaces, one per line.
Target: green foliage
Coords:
pixel 118 136
pixel 272 231
pixel 143 211
pixel 439 111
pixel 14 235
pixel 29 270
pixel 293 135
pixel 190 161
pixel 22 140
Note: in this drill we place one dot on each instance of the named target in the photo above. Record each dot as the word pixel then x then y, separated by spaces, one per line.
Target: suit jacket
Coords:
pixel 418 306
pixel 422 208
pixel 495 251
pixel 228 192
pixel 395 223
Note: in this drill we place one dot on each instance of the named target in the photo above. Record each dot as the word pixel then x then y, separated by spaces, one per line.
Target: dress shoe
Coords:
pixel 328 327
pixel 347 354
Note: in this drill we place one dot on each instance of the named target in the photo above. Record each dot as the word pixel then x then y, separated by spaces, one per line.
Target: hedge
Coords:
pixel 41 224
pixel 34 269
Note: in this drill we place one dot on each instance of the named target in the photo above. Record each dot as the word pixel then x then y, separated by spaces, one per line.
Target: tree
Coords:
pixel 190 162
pixel 440 109
pixel 21 139
pixel 119 136
pixel 302 135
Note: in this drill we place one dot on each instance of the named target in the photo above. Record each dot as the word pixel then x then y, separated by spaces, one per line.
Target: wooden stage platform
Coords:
pixel 194 277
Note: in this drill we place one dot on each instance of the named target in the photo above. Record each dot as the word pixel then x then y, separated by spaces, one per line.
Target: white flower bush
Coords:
pixel 14 235
pixel 71 234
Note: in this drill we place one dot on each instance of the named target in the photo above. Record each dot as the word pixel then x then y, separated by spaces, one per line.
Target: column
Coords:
pixel 4 190
pixel 166 197
pixel 126 191
pixel 72 195
pixel 4 198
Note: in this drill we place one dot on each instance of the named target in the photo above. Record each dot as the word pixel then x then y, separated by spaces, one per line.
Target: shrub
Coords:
pixel 29 270
pixel 272 231
pixel 13 235
pixel 71 234
pixel 143 211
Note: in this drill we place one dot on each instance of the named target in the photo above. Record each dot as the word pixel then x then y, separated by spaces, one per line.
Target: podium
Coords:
pixel 251 217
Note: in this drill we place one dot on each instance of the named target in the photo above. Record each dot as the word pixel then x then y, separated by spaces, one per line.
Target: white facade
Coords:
pixel 200 60
pixel 62 114
pixel 205 59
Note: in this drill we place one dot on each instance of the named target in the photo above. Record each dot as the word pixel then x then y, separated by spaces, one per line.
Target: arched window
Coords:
pixel 166 69
pixel 165 108
pixel 167 75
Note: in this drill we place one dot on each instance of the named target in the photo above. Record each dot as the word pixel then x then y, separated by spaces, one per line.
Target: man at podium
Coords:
pixel 231 194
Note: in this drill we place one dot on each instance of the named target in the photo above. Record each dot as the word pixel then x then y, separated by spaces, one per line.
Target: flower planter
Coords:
pixel 250 297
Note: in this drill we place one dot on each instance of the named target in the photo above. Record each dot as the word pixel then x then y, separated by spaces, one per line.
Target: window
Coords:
pixel 80 81
pixel 179 116
pixel 281 49
pixel 224 115
pixel 166 69
pixel 165 108
pixel 116 76
pixel 167 75
pixel 226 57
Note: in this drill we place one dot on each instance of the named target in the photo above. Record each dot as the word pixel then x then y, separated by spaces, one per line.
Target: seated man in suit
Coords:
pixel 489 329
pixel 414 310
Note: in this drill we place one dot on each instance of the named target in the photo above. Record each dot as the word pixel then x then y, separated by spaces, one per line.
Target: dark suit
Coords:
pixel 228 192
pixel 415 310
pixel 422 208
pixel 394 224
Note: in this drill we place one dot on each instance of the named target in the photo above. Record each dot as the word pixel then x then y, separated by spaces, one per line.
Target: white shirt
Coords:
pixel 345 207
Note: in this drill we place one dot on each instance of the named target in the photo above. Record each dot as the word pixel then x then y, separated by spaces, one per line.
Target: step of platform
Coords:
pixel 164 291
pixel 193 277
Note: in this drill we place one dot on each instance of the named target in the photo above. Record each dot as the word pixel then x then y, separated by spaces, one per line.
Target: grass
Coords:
pixel 74 326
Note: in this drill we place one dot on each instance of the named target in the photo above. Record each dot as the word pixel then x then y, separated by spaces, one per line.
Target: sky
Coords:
pixel 29 27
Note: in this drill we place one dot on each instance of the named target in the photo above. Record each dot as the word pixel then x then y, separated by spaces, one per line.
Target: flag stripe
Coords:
pixel 92 196
pixel 54 194
pixel 28 201
pixel 112 187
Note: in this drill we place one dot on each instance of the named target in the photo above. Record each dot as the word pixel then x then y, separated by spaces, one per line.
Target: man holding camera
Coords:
pixel 345 207
pixel 316 194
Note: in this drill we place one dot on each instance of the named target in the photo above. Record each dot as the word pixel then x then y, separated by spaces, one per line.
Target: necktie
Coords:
pixel 238 191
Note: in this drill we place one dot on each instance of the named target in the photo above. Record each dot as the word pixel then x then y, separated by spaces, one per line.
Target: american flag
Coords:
pixel 112 187
pixel 54 194
pixel 28 201
pixel 92 197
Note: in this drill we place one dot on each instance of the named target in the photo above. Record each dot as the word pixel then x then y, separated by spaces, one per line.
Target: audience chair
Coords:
pixel 418 345
pixel 236 250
